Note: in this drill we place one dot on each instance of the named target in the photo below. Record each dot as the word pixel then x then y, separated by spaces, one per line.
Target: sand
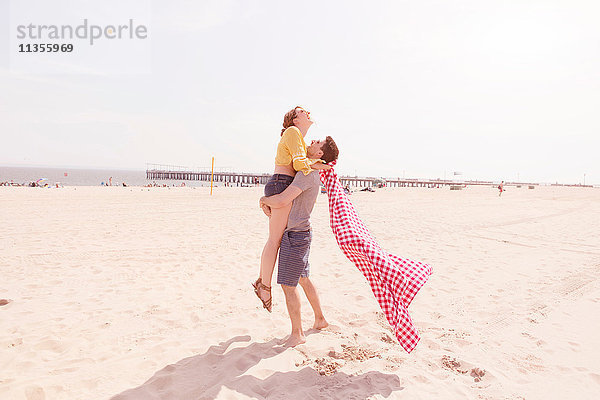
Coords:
pixel 135 293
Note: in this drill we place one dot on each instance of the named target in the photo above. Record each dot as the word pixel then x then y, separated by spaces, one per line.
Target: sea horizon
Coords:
pixel 85 176
pixel 69 176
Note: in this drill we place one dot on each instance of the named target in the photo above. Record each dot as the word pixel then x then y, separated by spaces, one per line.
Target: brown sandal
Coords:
pixel 266 303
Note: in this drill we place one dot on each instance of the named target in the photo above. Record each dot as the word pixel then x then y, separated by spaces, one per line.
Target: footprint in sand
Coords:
pixel 595 377
pixel 50 345
pixel 477 374
pixel 12 342
pixel 194 318
pixel 35 393
pixel 330 329
pixel 463 368
pixel 4 302
pixel 335 360
pixel 354 353
pixel 386 338
pixel 326 366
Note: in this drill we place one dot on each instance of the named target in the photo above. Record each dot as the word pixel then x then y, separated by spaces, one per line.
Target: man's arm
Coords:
pixel 282 199
pixel 320 166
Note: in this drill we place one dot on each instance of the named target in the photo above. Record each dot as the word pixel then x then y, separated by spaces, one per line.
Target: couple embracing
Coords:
pixel 290 196
pixel 289 199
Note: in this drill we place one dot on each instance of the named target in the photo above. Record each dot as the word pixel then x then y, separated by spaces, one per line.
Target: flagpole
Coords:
pixel 212 170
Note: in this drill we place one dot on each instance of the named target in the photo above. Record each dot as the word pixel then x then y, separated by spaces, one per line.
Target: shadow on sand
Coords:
pixel 202 377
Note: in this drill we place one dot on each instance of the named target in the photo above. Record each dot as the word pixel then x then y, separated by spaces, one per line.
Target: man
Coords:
pixel 293 267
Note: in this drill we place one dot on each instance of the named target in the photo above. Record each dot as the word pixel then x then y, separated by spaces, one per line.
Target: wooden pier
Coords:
pixel 178 173
pixel 157 172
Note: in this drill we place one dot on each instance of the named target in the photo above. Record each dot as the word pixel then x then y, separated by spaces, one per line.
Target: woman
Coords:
pixel 290 158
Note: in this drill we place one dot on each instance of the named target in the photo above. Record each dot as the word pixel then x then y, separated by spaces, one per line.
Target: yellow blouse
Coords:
pixel 292 149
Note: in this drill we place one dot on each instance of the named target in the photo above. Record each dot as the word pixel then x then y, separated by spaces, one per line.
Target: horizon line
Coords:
pixel 31 166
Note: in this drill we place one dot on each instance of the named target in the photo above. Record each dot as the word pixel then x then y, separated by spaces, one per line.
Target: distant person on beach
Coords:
pixel 293 266
pixel 291 157
pixel 110 181
pixel 501 188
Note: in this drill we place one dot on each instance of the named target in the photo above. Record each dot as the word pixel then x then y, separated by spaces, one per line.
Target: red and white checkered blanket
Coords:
pixel 394 281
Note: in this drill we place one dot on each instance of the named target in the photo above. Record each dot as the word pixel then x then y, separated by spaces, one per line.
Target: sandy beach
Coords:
pixel 144 293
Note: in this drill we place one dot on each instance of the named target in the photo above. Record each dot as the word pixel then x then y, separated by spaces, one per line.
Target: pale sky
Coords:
pixel 495 89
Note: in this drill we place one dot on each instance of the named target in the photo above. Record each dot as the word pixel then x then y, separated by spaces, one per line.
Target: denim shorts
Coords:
pixel 277 184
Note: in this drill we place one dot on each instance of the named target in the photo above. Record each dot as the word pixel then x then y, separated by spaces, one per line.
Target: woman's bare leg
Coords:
pixel 277 225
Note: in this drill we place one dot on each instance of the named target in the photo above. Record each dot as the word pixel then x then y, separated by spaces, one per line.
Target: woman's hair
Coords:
pixel 288 119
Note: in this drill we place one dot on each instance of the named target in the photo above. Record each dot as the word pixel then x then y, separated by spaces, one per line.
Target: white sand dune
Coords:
pixel 131 293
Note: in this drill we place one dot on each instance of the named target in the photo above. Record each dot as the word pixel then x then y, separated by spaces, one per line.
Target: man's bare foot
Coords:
pixel 320 324
pixel 295 340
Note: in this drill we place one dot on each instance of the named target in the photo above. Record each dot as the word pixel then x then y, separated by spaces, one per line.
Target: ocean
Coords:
pixel 84 177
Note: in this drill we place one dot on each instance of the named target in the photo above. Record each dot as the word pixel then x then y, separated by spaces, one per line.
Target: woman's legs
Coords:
pixel 277 225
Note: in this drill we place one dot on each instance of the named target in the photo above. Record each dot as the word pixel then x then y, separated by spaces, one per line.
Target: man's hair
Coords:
pixel 330 150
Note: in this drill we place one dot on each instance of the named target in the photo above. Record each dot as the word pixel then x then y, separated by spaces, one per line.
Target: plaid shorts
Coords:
pixel 293 257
